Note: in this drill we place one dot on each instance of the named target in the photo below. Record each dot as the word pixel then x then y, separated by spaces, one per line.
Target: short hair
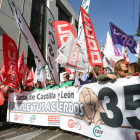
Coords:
pixel 39 82
pixel 96 68
pixel 67 75
pixel 52 80
pixel 135 67
pixel 118 65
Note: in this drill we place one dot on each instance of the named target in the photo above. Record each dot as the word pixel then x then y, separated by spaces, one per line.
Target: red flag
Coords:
pixel 2 71
pixel 10 54
pixel 62 29
pixel 21 67
pixel 25 75
pixel 2 96
pixel 11 78
pixel 94 55
pixel 30 79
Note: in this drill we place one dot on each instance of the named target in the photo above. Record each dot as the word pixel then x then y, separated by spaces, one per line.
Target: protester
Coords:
pixel 134 69
pixel 67 83
pixel 3 109
pixel 81 79
pixel 91 78
pixel 47 82
pixel 104 70
pixel 120 71
pixel 97 70
pixel 38 86
pixel 52 85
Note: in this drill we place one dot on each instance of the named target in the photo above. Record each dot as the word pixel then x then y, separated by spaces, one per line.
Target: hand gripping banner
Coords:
pixel 102 111
pixel 10 54
pixel 39 60
pixel 94 55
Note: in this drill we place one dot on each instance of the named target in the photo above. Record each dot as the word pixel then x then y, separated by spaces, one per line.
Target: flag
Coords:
pixel 62 29
pixel 94 55
pixel 116 51
pixel 119 37
pixel 1 97
pixel 124 52
pixel 2 70
pixel 81 35
pixel 30 78
pixel 21 67
pixel 22 26
pixel 138 49
pixel 26 72
pixel 10 54
pixel 52 46
pixel 40 75
pixel 72 56
pixel 11 78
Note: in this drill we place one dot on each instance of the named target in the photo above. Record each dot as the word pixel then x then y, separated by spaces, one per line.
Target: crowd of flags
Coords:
pixel 74 53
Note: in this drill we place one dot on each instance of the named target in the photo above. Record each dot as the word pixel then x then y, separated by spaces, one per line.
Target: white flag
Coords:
pixel 81 34
pixel 72 56
pixel 138 49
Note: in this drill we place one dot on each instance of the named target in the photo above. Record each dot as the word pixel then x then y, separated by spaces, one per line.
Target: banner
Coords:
pixel 62 29
pixel 93 51
pixel 119 37
pixel 81 35
pixel 12 78
pixel 102 111
pixel 10 54
pixel 124 52
pixel 21 67
pixel 52 46
pixel 72 56
pixel 39 60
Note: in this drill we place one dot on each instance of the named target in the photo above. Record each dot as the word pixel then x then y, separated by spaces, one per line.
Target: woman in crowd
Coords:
pixel 97 70
pixel 120 71
pixel 134 69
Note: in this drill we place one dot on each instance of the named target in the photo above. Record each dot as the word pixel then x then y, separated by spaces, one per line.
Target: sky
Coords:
pixel 119 12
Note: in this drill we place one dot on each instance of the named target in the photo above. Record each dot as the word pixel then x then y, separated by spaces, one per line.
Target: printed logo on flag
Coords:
pixel 97 131
pixel 33 118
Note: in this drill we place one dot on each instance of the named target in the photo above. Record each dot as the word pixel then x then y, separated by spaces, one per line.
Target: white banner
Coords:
pixel 52 46
pixel 39 60
pixel 81 34
pixel 103 111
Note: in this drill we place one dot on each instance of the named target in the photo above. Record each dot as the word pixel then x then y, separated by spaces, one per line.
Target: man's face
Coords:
pixel 47 82
pixel 52 83
pixel 65 78
pixel 38 84
pixel 20 90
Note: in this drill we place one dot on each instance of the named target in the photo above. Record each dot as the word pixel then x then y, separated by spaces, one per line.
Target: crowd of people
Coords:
pixel 98 74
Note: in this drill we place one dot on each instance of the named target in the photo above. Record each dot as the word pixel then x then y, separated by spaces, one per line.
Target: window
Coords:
pixel 62 15
pixel 37 28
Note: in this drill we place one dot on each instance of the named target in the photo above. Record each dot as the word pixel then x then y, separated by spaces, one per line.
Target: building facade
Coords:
pixel 33 12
